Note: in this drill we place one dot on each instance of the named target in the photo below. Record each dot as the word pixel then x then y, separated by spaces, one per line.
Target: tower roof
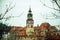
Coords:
pixel 30 14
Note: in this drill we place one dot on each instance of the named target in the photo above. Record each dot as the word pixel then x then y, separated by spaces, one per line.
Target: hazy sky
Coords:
pixel 21 8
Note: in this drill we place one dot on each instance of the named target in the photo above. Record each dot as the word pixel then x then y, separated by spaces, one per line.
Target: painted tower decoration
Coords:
pixel 29 21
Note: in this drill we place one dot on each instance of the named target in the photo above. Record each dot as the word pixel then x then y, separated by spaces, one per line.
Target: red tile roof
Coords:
pixel 42 26
pixel 22 33
pixel 18 28
pixel 45 25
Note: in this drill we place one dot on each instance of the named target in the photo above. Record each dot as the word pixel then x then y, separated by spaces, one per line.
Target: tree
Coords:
pixel 54 2
pixel 57 3
pixel 3 28
pixel 8 8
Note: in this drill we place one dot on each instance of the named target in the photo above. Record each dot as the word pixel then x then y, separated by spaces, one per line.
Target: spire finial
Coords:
pixel 30 9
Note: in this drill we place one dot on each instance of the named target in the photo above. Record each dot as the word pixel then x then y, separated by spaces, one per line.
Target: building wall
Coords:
pixel 26 38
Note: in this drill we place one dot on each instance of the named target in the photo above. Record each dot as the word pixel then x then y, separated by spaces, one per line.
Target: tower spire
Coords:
pixel 29 21
pixel 30 9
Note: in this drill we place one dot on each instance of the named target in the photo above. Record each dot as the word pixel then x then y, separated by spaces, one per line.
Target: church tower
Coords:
pixel 29 21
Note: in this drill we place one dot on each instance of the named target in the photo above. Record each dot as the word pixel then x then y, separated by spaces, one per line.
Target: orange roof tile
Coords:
pixel 22 33
pixel 17 28
pixel 45 24
pixel 52 27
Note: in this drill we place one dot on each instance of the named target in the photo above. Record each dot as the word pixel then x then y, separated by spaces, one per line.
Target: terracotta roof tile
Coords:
pixel 22 33
pixel 17 28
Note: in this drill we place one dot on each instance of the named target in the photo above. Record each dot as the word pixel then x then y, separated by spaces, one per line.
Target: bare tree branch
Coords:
pixel 56 3
pixel 7 18
pixel 0 16
pixel 12 7
pixel 49 7
pixel 52 8
pixel 56 16
pixel 5 13
pixel 8 9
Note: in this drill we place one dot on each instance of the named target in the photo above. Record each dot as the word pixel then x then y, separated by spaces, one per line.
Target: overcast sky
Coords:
pixel 21 8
